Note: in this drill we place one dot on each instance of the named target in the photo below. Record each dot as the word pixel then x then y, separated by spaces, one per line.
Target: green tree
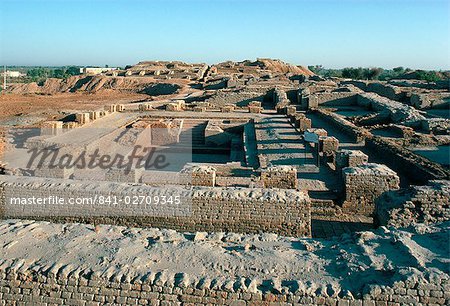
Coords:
pixel 374 73
pixel 353 73
pixel 58 73
pixel 73 71
pixel 38 74
pixel 429 76
pixel 399 70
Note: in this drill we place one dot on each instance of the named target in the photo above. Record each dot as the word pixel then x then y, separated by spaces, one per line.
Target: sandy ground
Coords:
pixel 348 262
pixel 30 110
pixel 20 105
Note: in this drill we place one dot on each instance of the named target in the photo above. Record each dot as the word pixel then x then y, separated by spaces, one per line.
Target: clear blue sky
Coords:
pixel 339 33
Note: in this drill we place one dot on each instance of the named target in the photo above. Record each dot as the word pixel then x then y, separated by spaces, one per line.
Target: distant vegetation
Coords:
pixel 40 74
pixel 380 73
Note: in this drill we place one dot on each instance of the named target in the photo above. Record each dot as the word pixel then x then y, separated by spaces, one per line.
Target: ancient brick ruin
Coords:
pixel 270 161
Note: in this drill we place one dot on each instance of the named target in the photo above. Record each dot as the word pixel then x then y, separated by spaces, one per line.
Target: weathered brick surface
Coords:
pixel 280 100
pixel 302 123
pixel 254 109
pixel 357 133
pixel 46 171
pixel 111 108
pixel 291 110
pixel 418 168
pixel 417 204
pixel 350 158
pixel 244 210
pixel 51 128
pixel 173 107
pixel 329 145
pixel 255 103
pixel 82 118
pixel 279 177
pixel 145 107
pixel 36 287
pixel 227 108
pixel 199 109
pixel 199 175
pixel 165 132
pixel 312 101
pixel 365 183
pixel 319 132
pixel 123 175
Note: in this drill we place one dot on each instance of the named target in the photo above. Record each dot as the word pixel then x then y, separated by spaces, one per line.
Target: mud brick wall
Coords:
pixel 82 118
pixel 51 127
pixel 418 169
pixel 123 175
pixel 240 98
pixel 357 133
pixel 111 108
pixel 383 89
pixel 359 84
pixel 329 145
pixel 303 97
pixel 165 134
pixel 430 100
pixel 280 100
pixel 417 204
pixel 243 210
pixel 291 110
pixel 160 178
pixel 387 90
pixel 398 112
pixel 279 95
pixel 227 108
pixel 255 103
pixel 56 172
pixel 302 123
pixel 95 115
pixel 343 98
pixel 350 158
pixel 199 109
pixel 67 285
pixel 284 177
pixel 70 125
pixel 254 109
pixel 199 175
pixel 436 126
pixel 231 169
pixel 145 107
pixel 319 132
pixel 363 184
pixel 402 131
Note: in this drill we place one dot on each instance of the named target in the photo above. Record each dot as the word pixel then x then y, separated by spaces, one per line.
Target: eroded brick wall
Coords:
pixel 417 204
pixel 68 286
pixel 365 183
pixel 244 210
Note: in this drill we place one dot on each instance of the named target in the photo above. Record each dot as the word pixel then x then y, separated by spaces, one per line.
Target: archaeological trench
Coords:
pixel 299 190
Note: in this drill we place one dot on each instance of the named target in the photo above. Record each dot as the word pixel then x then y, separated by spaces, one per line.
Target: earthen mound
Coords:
pixel 279 66
pixel 94 84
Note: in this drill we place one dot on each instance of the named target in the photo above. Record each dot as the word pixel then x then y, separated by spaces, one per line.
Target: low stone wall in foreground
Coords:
pixel 243 210
pixel 77 264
